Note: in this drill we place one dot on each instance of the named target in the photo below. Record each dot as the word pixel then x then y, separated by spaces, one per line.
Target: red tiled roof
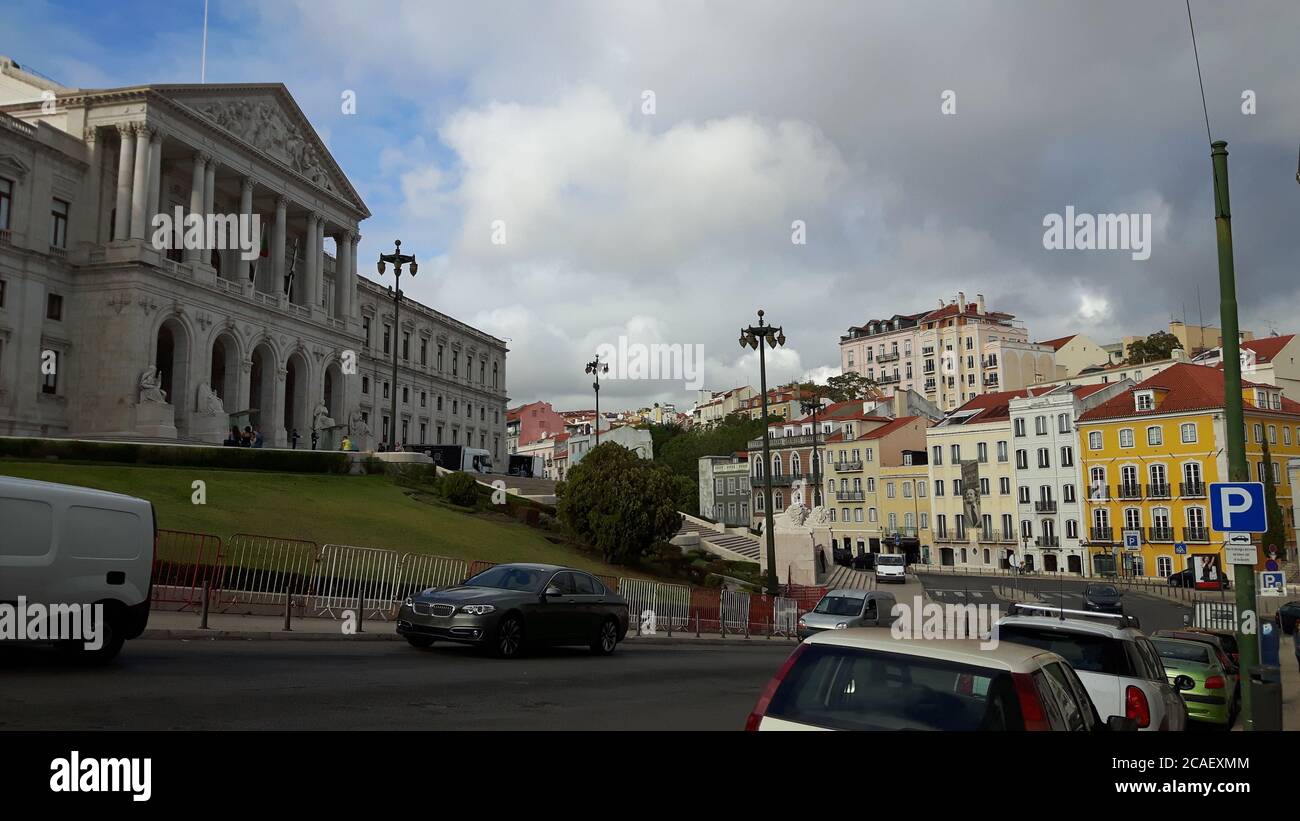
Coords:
pixel 1083 391
pixel 994 407
pixel 1268 347
pixel 1189 388
pixel 1058 343
pixel 884 430
pixel 972 309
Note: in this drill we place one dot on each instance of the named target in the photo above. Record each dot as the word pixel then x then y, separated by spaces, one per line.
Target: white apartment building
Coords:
pixel 1048 477
pixel 948 355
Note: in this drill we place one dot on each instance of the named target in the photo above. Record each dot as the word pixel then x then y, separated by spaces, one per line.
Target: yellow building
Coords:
pixel 1150 453
pixel 903 494
pixel 861 473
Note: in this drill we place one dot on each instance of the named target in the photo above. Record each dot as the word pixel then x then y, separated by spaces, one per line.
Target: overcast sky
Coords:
pixel 674 227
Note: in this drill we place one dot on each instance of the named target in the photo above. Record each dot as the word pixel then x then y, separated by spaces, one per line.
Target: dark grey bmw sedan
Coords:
pixel 510 607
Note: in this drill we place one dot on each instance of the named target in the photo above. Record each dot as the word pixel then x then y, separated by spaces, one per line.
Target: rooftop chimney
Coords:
pixel 979 303
pixel 961 301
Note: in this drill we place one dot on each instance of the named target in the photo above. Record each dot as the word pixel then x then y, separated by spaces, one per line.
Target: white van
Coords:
pixel 891 567
pixel 65 545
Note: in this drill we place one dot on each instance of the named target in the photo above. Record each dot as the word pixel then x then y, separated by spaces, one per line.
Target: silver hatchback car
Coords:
pixel 842 609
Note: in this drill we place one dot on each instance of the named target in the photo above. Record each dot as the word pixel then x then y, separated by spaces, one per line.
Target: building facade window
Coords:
pixel 59 224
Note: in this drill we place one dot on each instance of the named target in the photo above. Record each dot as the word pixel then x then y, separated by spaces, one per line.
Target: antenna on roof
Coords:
pixel 203 60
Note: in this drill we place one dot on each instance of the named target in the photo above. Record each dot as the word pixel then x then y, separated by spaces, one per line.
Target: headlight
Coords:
pixel 409 601
pixel 477 609
pixel 842 625
pixel 802 623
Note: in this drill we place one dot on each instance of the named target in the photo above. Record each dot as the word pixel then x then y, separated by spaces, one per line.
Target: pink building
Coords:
pixel 529 423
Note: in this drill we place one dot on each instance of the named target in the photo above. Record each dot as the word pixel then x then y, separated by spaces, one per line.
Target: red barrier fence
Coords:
pixel 182 562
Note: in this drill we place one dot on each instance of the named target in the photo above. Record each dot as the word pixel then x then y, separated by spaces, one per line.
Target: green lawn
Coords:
pixel 368 511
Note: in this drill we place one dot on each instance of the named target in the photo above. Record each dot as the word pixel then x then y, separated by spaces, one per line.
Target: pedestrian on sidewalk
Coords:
pixel 294 437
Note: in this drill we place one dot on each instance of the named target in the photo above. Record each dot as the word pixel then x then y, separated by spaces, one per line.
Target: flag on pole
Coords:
pixel 293 264
pixel 256 264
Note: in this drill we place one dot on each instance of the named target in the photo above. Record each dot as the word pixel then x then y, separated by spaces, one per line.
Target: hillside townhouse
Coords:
pixel 864 485
pixel 711 408
pixel 1150 453
pixel 1075 353
pixel 1048 474
pixel 972 478
pixel 905 503
pixel 784 403
pixel 530 423
pixel 949 355
pixel 724 489
pixel 1272 360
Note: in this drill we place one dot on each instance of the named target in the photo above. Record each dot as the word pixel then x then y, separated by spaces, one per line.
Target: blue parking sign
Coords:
pixel 1180 548
pixel 1274 581
pixel 1238 507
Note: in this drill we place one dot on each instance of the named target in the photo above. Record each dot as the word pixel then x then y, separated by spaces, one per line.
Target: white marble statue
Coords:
pixel 208 402
pixel 819 517
pixel 796 513
pixel 357 424
pixel 151 389
pixel 320 418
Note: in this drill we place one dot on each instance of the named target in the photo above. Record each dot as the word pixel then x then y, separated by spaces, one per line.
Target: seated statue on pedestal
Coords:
pixel 151 386
pixel 208 402
pixel 320 418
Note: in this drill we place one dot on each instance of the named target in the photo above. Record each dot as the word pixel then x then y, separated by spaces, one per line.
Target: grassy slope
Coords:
pixel 368 511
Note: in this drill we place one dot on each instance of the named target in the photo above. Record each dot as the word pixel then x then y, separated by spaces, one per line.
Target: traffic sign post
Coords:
pixel 1272 583
pixel 1180 548
pixel 1132 539
pixel 1238 507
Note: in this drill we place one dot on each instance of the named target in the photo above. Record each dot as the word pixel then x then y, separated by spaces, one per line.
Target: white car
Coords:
pixel 1116 662
pixel 865 679
pixel 65 547
pixel 891 567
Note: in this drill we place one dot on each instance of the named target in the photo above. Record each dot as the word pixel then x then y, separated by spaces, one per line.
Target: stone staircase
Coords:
pixel 741 547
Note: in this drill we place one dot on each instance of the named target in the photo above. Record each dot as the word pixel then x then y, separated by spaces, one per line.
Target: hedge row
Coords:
pixel 131 453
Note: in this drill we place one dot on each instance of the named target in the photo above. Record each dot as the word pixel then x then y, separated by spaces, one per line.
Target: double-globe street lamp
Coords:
pixel 812 406
pixel 595 367
pixel 753 337
pixel 397 259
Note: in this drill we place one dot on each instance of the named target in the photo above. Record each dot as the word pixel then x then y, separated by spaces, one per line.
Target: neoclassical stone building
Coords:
pixel 105 334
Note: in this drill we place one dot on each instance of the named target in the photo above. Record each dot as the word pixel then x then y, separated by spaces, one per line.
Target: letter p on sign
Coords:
pixel 1238 506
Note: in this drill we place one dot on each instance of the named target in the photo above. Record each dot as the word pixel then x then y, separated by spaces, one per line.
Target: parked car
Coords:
pixel 1103 598
pixel 510 607
pixel 1116 662
pixel 1207 686
pixel 1224 643
pixel 1287 615
pixel 864 561
pixel 842 609
pixel 66 545
pixel 891 567
pixel 867 680
pixel 1185 578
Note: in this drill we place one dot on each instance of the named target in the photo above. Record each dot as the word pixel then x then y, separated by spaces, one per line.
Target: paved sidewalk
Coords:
pixel 1290 686
pixel 225 626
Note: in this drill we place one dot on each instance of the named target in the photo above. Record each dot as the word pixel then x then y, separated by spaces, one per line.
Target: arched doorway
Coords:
pixel 223 375
pixel 296 400
pixel 332 392
pixel 1075 563
pixel 261 388
pixel 171 358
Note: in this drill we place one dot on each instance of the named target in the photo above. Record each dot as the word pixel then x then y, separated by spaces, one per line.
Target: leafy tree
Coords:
pixel 1157 346
pixel 848 386
pixel 1276 535
pixel 619 503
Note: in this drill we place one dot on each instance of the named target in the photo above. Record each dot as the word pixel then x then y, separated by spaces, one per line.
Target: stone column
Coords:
pixel 155 175
pixel 125 171
pixel 88 232
pixel 273 428
pixel 210 186
pixel 277 245
pixel 140 181
pixel 246 211
pixel 353 301
pixel 319 292
pixel 312 260
pixel 196 197
pixel 343 276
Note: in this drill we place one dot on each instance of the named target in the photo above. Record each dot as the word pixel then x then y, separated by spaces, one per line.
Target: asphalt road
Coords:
pixel 1152 613
pixel 385 685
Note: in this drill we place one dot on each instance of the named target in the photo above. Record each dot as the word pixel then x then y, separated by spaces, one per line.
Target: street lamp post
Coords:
pixel 397 259
pixel 753 337
pixel 595 367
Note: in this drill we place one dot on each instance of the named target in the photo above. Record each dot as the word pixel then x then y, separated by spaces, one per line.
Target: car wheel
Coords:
pixel 419 641
pixel 607 639
pixel 110 645
pixel 508 641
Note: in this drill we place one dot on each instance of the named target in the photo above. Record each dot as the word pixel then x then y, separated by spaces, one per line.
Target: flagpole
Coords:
pixel 203 62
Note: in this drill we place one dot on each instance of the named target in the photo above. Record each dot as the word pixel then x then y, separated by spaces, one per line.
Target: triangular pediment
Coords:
pixel 267 119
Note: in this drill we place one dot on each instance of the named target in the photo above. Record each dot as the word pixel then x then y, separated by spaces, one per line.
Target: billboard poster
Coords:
pixel 970 494
pixel 1207 570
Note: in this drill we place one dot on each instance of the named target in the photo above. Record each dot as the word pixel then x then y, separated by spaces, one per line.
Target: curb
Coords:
pixel 194 634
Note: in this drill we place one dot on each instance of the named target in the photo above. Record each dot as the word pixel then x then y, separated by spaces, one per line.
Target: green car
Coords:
pixel 1211 696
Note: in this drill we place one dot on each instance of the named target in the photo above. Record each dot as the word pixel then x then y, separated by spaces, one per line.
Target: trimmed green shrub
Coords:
pixel 459 488
pixel 135 453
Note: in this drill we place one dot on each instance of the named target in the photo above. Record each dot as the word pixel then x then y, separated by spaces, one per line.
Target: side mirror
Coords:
pixel 1121 724
pixel 551 590
pixel 1184 682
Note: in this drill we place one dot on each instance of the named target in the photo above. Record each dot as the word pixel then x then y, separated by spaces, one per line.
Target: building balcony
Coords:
pixel 901 532
pixel 1047 541
pixel 1101 534
pixel 1129 492
pixel 848 467
pixel 888 357
pixel 850 496
pixel 784 442
pixel 1045 507
pixel 888 379
pixel 1007 537
pixel 1160 534
pixel 1099 494
pixel 1196 534
pixel 1158 491
pixel 1191 490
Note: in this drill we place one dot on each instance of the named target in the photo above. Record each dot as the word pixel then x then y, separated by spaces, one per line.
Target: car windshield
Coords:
pixel 1086 652
pixel 844 688
pixel 510 577
pixel 889 561
pixel 1102 590
pixel 839 606
pixel 1183 651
